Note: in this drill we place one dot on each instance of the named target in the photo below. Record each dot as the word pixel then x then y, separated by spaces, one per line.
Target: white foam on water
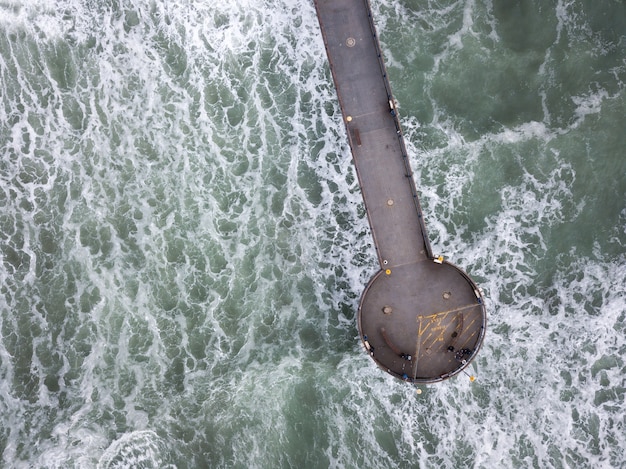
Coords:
pixel 150 314
pixel 136 449
pixel 589 104
pixel 184 246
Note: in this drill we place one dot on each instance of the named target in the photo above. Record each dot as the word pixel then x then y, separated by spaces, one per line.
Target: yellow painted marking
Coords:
pixel 442 313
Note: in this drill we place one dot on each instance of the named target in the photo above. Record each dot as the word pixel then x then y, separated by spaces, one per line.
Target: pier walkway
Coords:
pixel 421 319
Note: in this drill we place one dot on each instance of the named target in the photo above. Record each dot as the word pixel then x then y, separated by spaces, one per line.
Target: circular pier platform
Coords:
pixel 422 322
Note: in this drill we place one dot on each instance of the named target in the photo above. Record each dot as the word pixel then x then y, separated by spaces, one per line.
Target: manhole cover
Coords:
pixel 350 42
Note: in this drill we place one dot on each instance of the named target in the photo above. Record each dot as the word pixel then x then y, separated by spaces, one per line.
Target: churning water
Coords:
pixel 184 243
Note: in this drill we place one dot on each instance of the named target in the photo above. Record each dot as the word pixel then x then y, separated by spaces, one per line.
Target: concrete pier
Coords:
pixel 421 319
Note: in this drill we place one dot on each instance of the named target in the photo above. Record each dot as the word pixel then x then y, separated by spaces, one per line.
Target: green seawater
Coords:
pixel 184 244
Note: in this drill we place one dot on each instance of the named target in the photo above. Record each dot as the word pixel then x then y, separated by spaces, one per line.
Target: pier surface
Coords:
pixel 421 319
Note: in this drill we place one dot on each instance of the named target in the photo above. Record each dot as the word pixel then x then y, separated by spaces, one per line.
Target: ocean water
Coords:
pixel 184 244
